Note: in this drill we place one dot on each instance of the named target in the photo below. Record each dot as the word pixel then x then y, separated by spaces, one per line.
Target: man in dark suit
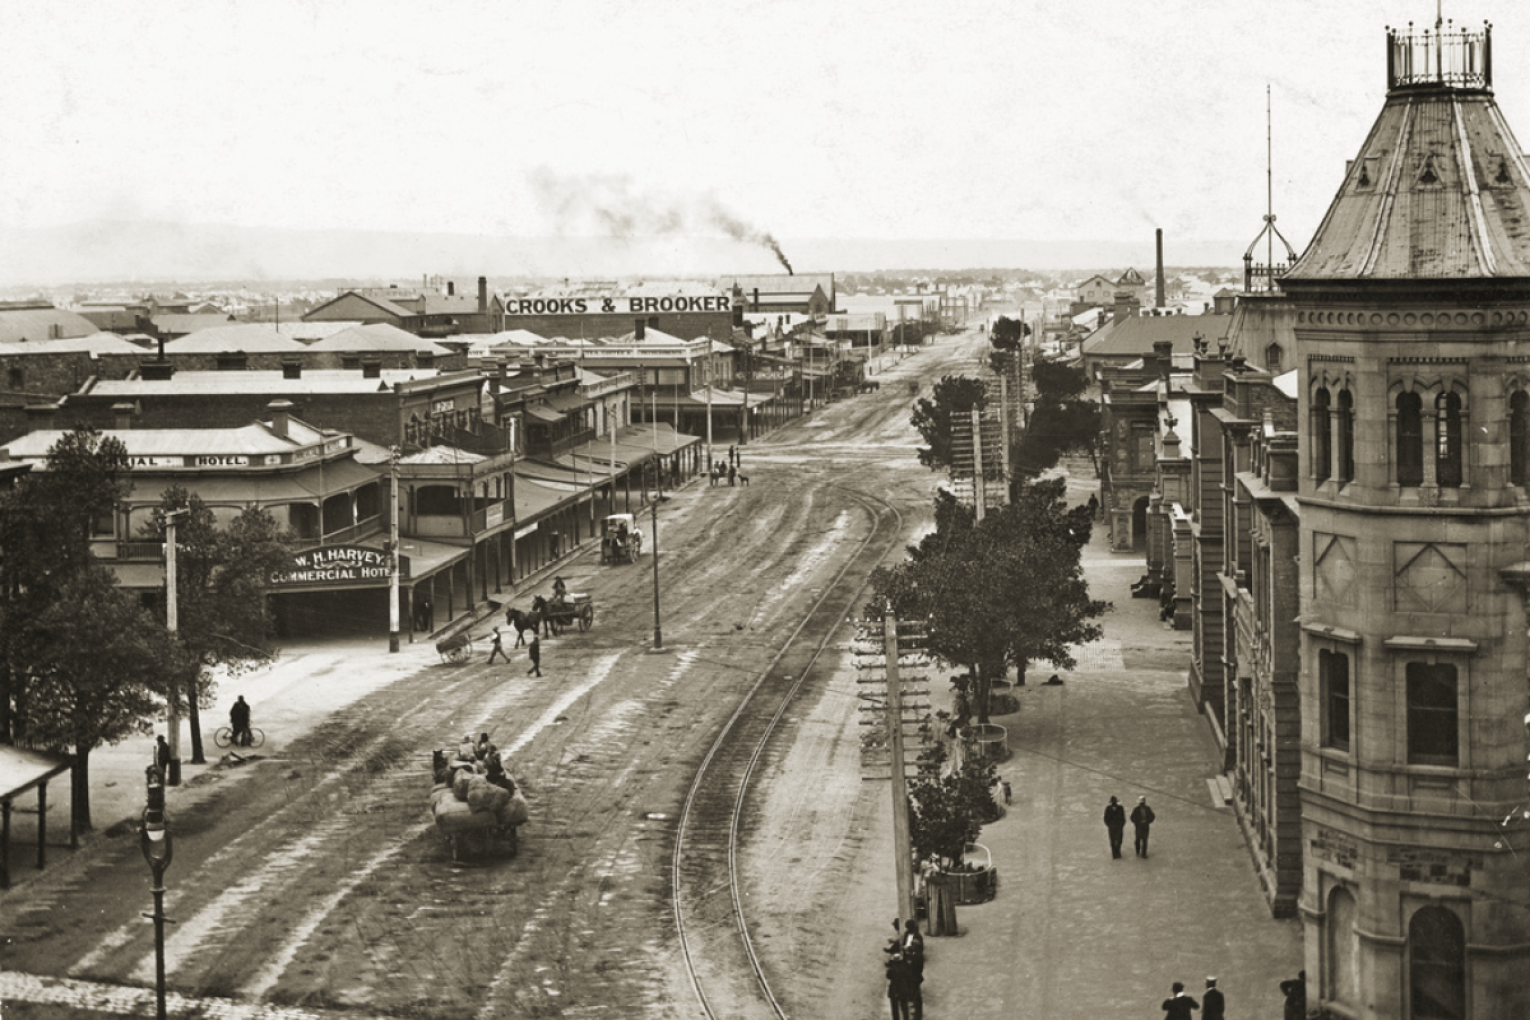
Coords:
pixel 1179 1006
pixel 1115 824
pixel 1142 818
pixel 1212 1003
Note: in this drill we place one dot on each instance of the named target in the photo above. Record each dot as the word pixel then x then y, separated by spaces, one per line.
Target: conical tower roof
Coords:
pixel 1440 190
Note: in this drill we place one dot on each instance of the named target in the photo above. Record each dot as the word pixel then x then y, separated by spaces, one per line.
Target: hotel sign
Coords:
pixel 346 566
pixel 611 305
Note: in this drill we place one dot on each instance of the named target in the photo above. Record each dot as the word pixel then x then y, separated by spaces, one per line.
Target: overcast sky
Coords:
pixel 1030 119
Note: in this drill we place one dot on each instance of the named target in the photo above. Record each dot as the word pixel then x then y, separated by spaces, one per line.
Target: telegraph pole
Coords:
pixel 902 845
pixel 393 551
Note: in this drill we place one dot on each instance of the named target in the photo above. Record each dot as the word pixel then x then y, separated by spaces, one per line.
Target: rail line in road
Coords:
pixel 724 968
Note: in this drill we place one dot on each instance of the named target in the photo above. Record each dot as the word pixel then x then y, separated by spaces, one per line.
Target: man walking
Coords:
pixel 1212 1005
pixel 1142 818
pixel 1179 1006
pixel 535 651
pixel 497 648
pixel 1115 824
pixel 913 958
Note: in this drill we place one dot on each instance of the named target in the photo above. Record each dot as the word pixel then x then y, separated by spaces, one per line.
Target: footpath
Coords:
pixel 1074 933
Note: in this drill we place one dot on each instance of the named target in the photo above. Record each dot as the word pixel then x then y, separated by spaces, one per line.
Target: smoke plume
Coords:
pixel 613 205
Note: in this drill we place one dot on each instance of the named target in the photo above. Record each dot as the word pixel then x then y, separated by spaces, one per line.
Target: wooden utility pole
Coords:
pixel 902 845
pixel 979 483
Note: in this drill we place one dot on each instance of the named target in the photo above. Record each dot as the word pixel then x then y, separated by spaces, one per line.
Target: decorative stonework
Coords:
pixel 1428 320
pixel 1333 846
pixel 1430 577
pixel 1415 864
pixel 1333 572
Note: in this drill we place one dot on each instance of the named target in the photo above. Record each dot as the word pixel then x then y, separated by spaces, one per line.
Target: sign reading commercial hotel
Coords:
pixel 603 305
pixel 338 566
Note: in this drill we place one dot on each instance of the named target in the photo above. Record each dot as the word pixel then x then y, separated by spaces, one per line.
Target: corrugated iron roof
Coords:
pixel 1136 334
pixel 379 336
pixel 1439 190
pixel 22 324
pixel 247 337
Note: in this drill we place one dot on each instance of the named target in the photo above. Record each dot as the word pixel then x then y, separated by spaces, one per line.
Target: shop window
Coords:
pixel 1447 440
pixel 1346 436
pixel 1322 436
pixel 1333 682
pixel 1436 965
pixel 1410 439
pixel 1519 436
pixel 1432 714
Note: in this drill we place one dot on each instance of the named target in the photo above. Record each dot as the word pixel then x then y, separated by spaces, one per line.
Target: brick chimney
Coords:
pixel 1158 295
pixel 280 411
pixel 451 288
pixel 738 305
pixel 483 294
pixel 1127 305
pixel 122 416
pixel 1163 357
pixel 639 330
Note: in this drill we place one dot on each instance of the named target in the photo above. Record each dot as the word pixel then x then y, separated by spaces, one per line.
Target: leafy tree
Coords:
pixel 1062 419
pixel 223 617
pixel 1008 339
pixel 83 663
pixel 95 668
pixel 1001 592
pixel 933 416
pixel 948 811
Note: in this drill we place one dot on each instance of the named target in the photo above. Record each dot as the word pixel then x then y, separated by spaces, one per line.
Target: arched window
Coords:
pixel 1436 965
pixel 1447 440
pixel 1346 437
pixel 1519 436
pixel 1410 439
pixel 1343 959
pixel 1322 436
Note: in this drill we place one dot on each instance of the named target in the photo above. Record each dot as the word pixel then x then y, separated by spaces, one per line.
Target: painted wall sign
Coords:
pixel 342 565
pixel 607 305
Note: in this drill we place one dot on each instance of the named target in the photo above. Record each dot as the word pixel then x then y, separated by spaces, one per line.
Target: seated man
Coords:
pixel 560 590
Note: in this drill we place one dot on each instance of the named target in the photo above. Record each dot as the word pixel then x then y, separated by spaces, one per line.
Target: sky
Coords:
pixel 772 119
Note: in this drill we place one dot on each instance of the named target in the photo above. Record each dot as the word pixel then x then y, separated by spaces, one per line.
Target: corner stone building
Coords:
pixel 1412 327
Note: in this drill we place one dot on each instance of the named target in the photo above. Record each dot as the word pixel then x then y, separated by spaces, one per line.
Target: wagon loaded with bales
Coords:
pixel 476 805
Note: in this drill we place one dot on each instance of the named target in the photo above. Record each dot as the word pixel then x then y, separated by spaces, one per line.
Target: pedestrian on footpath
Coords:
pixel 496 647
pixel 913 958
pixel 1142 817
pixel 1295 991
pixel 535 651
pixel 732 474
pixel 898 979
pixel 1115 824
pixel 1212 1005
pixel 1179 1006
pixel 1008 794
pixel 162 756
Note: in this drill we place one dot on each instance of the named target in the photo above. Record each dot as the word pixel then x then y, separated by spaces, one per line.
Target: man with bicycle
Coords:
pixel 239 722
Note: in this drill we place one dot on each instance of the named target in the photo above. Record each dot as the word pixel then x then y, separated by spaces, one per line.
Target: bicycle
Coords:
pixel 225 737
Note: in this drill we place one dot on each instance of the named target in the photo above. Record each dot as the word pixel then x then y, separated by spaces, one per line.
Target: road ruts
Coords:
pixel 718 949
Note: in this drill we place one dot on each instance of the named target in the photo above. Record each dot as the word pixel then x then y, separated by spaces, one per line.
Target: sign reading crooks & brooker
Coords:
pixel 338 565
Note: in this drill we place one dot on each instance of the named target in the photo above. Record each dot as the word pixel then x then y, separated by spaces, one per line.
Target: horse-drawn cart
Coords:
pixel 456 648
pixel 575 608
pixel 621 540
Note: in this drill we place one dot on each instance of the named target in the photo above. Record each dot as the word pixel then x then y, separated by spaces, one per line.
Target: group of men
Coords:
pixel 905 971
pixel 533 651
pixel 1142 819
pixel 1180 1006
pixel 728 470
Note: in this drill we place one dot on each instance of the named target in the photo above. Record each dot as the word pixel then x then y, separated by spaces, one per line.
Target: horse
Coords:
pixel 522 622
pixel 551 625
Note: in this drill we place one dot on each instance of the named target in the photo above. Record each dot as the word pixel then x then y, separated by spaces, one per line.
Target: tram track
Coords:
pixel 724 968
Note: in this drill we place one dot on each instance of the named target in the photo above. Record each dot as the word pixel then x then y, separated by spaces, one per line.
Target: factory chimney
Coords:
pixel 1158 295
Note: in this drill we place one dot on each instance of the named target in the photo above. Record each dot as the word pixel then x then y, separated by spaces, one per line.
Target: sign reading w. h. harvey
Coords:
pixel 338 564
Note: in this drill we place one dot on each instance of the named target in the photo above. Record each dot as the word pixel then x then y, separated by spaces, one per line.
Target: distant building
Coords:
pixel 24 321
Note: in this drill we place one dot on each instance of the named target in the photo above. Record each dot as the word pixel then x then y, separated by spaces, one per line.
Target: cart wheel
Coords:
pixel 586 617
pixel 461 653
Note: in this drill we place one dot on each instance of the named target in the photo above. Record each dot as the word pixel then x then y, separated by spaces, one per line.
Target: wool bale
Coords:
pixel 514 812
pixel 478 793
pixel 453 816
pixel 460 783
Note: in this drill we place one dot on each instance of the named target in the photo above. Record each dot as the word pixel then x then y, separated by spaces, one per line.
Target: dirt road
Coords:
pixel 316 880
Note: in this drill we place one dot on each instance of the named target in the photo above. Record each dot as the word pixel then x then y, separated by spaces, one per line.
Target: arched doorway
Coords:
pixel 1139 523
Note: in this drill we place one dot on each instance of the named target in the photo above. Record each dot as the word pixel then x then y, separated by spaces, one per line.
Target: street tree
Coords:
pixel 95 669
pixel 224 618
pixel 949 811
pixel 1062 420
pixel 1006 591
pixel 951 400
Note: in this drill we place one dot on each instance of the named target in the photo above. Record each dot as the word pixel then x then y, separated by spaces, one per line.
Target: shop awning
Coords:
pixel 543 413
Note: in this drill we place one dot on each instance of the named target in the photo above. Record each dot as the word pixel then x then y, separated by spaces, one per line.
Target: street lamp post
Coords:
pixel 154 841
pixel 393 615
pixel 172 624
pixel 658 632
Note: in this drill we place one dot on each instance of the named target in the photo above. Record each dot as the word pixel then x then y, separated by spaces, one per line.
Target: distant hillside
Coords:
pixel 100 251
